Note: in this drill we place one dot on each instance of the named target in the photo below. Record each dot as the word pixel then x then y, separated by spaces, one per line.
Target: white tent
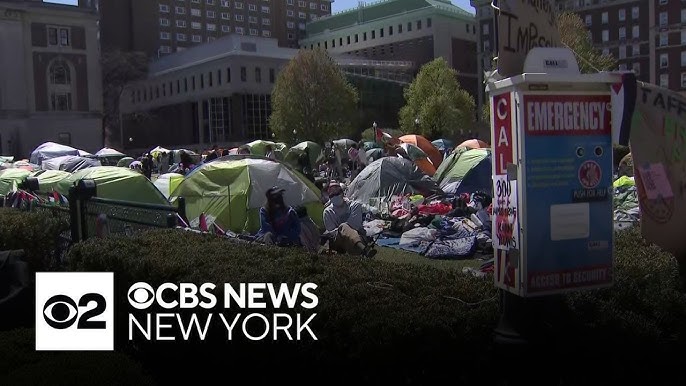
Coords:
pixel 166 183
pixel 84 153
pixel 109 152
pixel 51 150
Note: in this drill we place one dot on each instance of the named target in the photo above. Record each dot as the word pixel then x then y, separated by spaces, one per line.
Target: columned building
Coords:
pixel 51 83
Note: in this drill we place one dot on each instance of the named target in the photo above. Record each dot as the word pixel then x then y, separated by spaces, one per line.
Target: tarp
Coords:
pixel 466 171
pixel 314 152
pixel 166 183
pixel 442 144
pixel 109 152
pixel 10 180
pixel 230 191
pixel 51 150
pixel 70 163
pixel 424 144
pixel 48 179
pixel 116 183
pixel 389 176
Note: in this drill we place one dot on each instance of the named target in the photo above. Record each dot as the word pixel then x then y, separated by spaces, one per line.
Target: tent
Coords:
pixel 466 171
pixel 84 153
pixel 474 144
pixel 158 150
pixel 374 154
pixel 51 150
pixel 166 183
pixel 420 158
pixel 434 155
pixel 24 164
pixel 109 152
pixel 314 151
pixel 125 162
pixel 389 176
pixel 48 179
pixel 116 183
pixel 230 191
pixel 344 143
pixel 443 144
pixel 10 179
pixel 259 147
pixel 70 163
pixel 368 145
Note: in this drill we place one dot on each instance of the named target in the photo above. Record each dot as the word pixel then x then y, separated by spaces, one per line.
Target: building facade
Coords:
pixel 51 83
pixel 415 31
pixel 162 27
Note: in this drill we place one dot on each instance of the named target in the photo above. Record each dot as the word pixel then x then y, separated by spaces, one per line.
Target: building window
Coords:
pixel 302 15
pixel 400 28
pixel 291 36
pixel 348 39
pixel 266 34
pixel 636 50
pixel 289 2
pixel 409 27
pixel 324 7
pixel 60 87
pixel 165 35
pixel 664 39
pixel 181 37
pixel 683 16
pixel 202 81
pixel 197 39
pixel 265 9
pixel 252 7
pixel 340 41
pixel 272 75
pixel 225 3
pixel 164 22
pixel 428 23
pixel 196 12
pixel 313 5
pixel 210 2
pixel 253 32
pixel 634 13
pixel 239 30
pixel 364 36
pixel 664 80
pixel 683 36
pixel 226 28
pixel 381 32
pixel 663 2
pixel 606 35
pixel 301 4
pixel 663 19
pixel 238 5
pixel 195 25
pixel 622 33
pixel 589 19
pixel 244 74
pixel 484 28
pixel 182 23
pixel 622 52
pixel 487 45
pixel 290 24
pixel 290 13
pixel 226 16
pixel 211 14
pixel 357 38
pixel 635 32
pixel 165 49
pixel 228 74
pixel 326 45
pixel 683 58
pixel 211 27
pixel 419 24
pixel 58 36
pixel 621 14
pixel 239 17
pixel 258 75
pixel 390 30
pixel 664 60
pixel 211 78
pixel 185 84
pixel 252 19
pixel 266 22
pixel 164 8
pixel 683 80
pixel 219 77
pixel 180 10
pixel 603 18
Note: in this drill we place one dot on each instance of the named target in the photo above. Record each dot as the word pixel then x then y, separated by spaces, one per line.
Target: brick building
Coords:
pixel 161 27
pixel 50 86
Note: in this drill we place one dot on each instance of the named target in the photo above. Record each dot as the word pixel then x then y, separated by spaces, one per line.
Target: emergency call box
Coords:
pixel 552 177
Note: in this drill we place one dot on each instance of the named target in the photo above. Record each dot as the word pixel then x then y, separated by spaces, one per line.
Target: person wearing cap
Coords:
pixel 279 224
pixel 343 222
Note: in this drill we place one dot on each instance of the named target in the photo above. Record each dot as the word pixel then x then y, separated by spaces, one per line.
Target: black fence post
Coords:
pixel 182 209
pixel 74 222
pixel 84 190
pixel 171 220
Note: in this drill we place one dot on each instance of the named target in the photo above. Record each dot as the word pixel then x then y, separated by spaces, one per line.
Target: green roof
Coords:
pixel 382 9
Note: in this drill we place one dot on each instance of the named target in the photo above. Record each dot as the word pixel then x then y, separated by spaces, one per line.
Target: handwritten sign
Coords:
pixel 522 26
pixel 506 218
pixel 658 146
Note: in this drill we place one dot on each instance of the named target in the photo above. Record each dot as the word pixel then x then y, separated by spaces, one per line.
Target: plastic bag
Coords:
pixel 418 235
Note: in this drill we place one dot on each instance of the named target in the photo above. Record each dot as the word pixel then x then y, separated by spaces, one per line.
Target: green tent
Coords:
pixel 259 147
pixel 10 179
pixel 245 179
pixel 48 179
pixel 466 171
pixel 314 150
pixel 368 145
pixel 116 183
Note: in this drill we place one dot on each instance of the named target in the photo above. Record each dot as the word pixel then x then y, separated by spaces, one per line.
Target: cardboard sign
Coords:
pixel 658 148
pixel 506 232
pixel 523 25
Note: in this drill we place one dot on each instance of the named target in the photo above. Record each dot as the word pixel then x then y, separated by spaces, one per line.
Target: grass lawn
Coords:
pixel 398 256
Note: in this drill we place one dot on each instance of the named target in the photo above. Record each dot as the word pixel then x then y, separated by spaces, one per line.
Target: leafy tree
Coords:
pixel 574 35
pixel 313 97
pixel 118 69
pixel 436 99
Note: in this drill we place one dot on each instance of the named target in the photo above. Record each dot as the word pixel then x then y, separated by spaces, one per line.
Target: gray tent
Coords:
pixel 70 163
pixel 389 176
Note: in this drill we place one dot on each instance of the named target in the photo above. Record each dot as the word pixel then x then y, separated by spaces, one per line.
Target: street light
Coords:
pixel 416 123
pixel 273 135
pixel 374 125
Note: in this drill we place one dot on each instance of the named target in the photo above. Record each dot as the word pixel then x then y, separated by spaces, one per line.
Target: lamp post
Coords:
pixel 295 136
pixel 416 124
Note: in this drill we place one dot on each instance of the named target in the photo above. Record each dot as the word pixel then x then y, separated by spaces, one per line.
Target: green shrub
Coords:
pixel 37 233
pixel 20 364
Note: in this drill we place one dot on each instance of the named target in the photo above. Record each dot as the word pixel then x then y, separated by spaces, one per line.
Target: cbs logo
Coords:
pixel 61 312
pixel 142 295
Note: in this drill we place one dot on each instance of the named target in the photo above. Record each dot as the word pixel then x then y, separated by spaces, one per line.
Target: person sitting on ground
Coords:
pixel 343 222
pixel 269 152
pixel 214 154
pixel 279 224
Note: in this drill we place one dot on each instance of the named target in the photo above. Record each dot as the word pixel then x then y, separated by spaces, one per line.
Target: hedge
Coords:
pixel 392 323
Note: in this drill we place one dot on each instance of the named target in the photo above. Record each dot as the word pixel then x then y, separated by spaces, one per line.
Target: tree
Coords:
pixel 313 97
pixel 574 35
pixel 437 101
pixel 118 69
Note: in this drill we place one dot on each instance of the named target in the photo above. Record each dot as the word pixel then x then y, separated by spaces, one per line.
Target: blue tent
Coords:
pixel 466 171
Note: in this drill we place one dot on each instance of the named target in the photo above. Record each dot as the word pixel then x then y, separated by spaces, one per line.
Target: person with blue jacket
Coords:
pixel 279 224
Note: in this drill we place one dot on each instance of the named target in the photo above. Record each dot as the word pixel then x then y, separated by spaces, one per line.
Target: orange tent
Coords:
pixel 424 144
pixel 474 144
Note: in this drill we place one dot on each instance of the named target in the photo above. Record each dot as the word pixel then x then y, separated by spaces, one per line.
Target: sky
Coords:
pixel 338 5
